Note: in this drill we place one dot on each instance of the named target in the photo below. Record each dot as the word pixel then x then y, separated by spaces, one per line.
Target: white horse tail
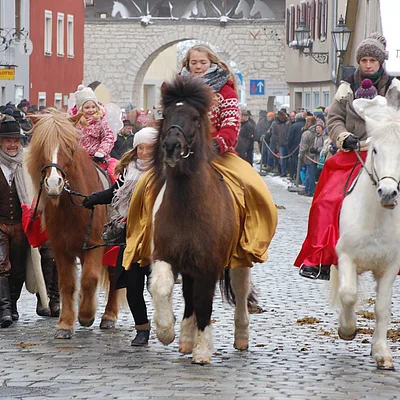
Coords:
pixel 334 287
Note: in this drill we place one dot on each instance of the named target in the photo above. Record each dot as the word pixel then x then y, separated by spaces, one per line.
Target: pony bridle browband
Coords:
pixel 375 179
pixel 189 143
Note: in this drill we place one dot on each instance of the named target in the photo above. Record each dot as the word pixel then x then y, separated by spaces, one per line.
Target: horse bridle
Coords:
pixel 189 143
pixel 375 179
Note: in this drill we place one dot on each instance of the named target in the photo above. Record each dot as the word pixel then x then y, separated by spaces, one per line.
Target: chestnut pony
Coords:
pixel 56 162
pixel 195 224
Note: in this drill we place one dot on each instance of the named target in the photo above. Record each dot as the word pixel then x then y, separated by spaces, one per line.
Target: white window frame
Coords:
pixel 326 91
pixel 41 99
pixel 58 100
pixel 60 34
pixel 70 36
pixel 48 32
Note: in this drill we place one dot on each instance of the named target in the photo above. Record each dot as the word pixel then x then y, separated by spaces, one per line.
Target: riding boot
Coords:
pixel 15 291
pixel 142 335
pixel 50 275
pixel 40 309
pixel 5 304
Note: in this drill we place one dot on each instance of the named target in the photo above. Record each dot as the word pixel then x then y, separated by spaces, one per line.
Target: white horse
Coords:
pixel 121 9
pixel 370 227
pixel 260 7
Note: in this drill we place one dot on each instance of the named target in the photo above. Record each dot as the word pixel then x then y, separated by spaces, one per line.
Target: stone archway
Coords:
pixel 118 53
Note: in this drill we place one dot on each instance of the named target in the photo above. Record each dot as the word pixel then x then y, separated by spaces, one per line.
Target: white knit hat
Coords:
pixel 84 94
pixel 146 135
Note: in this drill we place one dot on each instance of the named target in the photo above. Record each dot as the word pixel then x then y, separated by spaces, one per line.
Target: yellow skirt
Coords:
pixel 253 203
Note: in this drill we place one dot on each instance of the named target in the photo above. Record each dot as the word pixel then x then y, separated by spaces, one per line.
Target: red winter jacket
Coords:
pixel 225 118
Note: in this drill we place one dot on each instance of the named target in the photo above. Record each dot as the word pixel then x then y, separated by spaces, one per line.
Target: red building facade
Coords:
pixel 56 63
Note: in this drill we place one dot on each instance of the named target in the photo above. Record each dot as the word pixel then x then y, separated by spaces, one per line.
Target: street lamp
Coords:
pixel 304 41
pixel 341 38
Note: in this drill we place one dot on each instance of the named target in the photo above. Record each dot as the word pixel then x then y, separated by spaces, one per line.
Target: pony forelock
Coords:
pixel 50 130
pixel 189 90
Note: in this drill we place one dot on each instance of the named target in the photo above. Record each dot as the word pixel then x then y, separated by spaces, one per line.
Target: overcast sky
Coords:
pixel 390 10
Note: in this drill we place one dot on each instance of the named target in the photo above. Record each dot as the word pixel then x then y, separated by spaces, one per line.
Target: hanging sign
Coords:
pixel 7 74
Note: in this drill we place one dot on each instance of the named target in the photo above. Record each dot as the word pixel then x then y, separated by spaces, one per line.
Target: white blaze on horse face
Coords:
pixel 54 183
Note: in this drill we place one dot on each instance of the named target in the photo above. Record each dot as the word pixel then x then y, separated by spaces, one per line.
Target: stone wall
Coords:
pixel 118 53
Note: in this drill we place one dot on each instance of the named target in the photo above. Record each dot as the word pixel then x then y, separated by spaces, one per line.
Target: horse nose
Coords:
pixel 171 146
pixel 387 194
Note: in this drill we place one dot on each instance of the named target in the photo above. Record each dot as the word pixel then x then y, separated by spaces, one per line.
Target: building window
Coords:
pixel 48 22
pixel 60 34
pixel 326 98
pixel 17 19
pixel 316 99
pixel 58 100
pixel 42 99
pixel 307 101
pixel 18 93
pixel 70 36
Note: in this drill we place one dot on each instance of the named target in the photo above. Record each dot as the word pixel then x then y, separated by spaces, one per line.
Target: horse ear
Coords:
pixel 34 118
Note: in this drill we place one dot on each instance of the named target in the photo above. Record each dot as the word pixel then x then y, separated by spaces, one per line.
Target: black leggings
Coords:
pixel 135 278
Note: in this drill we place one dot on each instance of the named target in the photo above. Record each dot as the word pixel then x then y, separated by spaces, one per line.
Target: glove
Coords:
pixel 99 157
pixel 351 143
pixel 313 150
pixel 216 147
pixel 90 201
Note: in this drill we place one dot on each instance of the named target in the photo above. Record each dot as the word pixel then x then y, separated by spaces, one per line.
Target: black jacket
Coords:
pixel 294 134
pixel 122 145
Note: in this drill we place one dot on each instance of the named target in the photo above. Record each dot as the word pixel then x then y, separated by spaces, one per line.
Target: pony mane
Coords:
pixel 187 89
pixel 385 122
pixel 50 130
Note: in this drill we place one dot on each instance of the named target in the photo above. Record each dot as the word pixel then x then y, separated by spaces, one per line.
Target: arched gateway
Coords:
pixel 118 52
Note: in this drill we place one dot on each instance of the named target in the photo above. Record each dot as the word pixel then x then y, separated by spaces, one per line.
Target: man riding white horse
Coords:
pixel 347 129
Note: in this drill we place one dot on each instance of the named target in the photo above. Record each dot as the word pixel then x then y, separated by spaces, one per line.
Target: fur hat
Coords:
pixel 366 91
pixel 320 123
pixel 146 135
pixel 84 94
pixel 373 46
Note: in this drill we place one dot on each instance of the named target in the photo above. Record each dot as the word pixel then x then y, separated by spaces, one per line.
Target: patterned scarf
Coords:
pixel 11 162
pixel 379 79
pixel 215 77
pixel 123 194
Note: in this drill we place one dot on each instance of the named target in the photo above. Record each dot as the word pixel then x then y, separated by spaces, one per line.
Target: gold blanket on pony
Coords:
pixel 253 203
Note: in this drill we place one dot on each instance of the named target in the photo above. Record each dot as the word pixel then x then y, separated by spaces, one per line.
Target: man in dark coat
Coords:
pixel 245 143
pixel 124 140
pixel 294 136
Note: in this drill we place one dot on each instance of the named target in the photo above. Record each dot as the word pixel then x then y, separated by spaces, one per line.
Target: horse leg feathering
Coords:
pixel 161 285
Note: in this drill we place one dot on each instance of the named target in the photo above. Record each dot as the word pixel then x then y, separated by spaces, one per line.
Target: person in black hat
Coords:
pixel 124 140
pixel 13 242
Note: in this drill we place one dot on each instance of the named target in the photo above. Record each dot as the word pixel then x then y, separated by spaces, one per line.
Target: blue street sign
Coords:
pixel 257 87
pixel 239 78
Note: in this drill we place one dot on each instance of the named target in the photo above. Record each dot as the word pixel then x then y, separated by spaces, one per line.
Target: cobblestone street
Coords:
pixel 286 359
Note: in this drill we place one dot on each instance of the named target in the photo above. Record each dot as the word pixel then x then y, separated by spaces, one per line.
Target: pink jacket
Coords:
pixel 96 137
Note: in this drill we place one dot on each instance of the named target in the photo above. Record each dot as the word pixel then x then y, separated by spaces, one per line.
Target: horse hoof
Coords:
pixel 201 361
pixel 165 335
pixel 63 334
pixel 186 348
pixel 385 364
pixel 347 337
pixel 107 324
pixel 86 323
pixel 241 344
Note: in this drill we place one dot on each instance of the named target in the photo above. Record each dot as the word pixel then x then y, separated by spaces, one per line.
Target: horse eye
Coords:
pixel 196 118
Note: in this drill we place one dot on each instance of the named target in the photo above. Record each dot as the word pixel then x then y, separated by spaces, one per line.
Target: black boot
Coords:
pixel 322 272
pixel 15 292
pixel 54 306
pixel 141 338
pixel 40 309
pixel 5 304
